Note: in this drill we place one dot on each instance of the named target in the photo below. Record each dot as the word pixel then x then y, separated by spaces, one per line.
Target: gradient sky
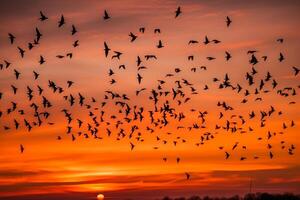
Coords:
pixel 81 169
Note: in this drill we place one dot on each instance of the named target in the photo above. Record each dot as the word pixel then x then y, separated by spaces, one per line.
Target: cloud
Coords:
pixel 273 179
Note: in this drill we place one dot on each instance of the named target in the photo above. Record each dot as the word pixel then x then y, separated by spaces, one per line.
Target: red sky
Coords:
pixel 85 167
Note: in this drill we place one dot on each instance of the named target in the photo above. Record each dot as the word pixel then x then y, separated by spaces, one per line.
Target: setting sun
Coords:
pixel 100 196
pixel 146 99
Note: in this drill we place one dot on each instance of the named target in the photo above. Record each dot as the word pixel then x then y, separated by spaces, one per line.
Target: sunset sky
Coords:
pixel 81 169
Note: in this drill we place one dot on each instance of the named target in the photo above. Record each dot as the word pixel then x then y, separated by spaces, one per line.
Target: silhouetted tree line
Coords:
pixel 252 196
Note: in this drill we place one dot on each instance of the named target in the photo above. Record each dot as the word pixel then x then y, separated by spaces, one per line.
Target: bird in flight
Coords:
pixel 42 16
pixel 160 45
pixel 296 71
pixel 106 16
pixel 132 146
pixel 73 31
pixel 188 176
pixel 228 21
pixel 22 148
pixel 280 40
pixel 228 55
pixel 178 12
pixel 17 74
pixel 281 57
pixel 106 49
pixel 11 38
pixel 132 36
pixel 21 51
pixel 61 22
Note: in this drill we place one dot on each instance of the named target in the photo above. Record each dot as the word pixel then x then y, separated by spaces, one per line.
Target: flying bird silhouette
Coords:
pixel 42 16
pixel 228 21
pixel 22 148
pixel 11 38
pixel 61 22
pixel 106 49
pixel 178 12
pixel 106 16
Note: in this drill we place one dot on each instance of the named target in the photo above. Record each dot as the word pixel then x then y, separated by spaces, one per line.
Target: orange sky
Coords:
pixel 86 167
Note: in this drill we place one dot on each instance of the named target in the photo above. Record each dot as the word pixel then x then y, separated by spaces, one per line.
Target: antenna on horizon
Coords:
pixel 250 187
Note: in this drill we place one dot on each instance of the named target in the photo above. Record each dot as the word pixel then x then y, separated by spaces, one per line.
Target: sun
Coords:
pixel 100 196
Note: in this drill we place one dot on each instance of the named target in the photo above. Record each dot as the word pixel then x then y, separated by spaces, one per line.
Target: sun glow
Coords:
pixel 100 196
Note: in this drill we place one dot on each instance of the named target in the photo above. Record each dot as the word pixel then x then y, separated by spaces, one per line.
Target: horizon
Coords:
pixel 203 136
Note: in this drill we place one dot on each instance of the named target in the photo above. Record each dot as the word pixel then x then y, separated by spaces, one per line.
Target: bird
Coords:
pixel 138 61
pixel 38 34
pixel 142 30
pixel 106 16
pixel 17 74
pixel 74 30
pixel 76 43
pixel 30 46
pixel 17 124
pixel 70 83
pixel 243 158
pixel 117 55
pixel 11 38
pixel 160 45
pixel 122 67
pixel 42 60
pixel 22 148
pixel 227 155
pixel 36 75
pixel 150 57
pixel 281 57
pixel 139 78
pixel 188 176
pixel 210 58
pixel 206 41
pixel 235 145
pixel 139 91
pixel 228 56
pixel 216 41
pixel 280 40
pixel 132 36
pixel 193 42
pixel 296 71
pixel 157 30
pixel 228 21
pixel 251 51
pixel 42 16
pixel 111 72
pixel 132 146
pixel 112 81
pixel 21 51
pixel 203 67
pixel 61 22
pixel 106 49
pixel 274 84
pixel 253 60
pixel 178 12
pixel 264 57
pixel 271 155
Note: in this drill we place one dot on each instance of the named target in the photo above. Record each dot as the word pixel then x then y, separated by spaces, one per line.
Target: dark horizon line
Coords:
pixel 114 196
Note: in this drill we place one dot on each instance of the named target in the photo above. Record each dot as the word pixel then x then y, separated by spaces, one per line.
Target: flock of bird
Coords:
pixel 166 102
